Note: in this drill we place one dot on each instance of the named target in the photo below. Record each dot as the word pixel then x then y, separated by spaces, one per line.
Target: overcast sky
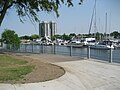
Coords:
pixel 72 20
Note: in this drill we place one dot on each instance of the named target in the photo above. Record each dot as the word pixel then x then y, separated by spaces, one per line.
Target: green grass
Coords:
pixel 12 69
pixel 9 60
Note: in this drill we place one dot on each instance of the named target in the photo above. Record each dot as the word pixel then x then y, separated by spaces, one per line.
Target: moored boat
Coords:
pixel 103 45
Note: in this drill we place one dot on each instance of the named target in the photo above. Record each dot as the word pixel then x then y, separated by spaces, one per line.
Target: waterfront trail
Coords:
pixel 81 74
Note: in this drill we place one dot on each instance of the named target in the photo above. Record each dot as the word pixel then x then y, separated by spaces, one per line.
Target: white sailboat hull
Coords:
pixel 102 46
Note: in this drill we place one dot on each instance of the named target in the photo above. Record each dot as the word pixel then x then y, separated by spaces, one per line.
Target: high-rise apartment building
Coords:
pixel 47 29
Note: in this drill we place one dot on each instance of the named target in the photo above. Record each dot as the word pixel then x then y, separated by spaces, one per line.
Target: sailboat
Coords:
pixel 91 40
pixel 104 44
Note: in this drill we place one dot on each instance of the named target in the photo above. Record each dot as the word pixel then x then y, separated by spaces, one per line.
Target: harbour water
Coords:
pixel 64 50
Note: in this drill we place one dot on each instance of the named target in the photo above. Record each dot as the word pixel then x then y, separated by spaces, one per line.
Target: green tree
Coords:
pixel 25 37
pixel 58 36
pixel 10 37
pixel 34 36
pixel 31 7
pixel 0 42
pixel 116 34
pixel 72 35
pixel 97 36
pixel 65 37
pixel 53 38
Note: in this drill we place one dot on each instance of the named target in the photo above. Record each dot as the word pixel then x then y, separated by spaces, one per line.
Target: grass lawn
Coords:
pixel 13 69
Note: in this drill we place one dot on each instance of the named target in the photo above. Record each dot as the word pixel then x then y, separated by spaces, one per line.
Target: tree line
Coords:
pixel 11 37
pixel 98 36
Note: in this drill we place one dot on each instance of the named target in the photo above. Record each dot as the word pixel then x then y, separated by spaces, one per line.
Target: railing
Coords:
pixel 86 52
pixel 107 55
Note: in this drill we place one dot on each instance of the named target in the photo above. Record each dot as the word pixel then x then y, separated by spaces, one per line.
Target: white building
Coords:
pixel 47 29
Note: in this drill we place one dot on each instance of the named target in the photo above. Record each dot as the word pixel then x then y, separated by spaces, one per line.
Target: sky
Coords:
pixel 72 20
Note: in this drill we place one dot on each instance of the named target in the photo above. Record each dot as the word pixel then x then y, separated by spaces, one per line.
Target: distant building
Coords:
pixel 47 29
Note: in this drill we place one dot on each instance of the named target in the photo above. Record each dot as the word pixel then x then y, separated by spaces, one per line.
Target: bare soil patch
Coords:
pixel 43 71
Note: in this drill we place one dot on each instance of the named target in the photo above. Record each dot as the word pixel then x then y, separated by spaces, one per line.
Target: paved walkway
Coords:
pixel 80 75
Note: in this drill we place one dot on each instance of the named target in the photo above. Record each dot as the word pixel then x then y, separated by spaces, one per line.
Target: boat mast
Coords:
pixel 95 27
pixel 109 25
pixel 106 27
pixel 94 13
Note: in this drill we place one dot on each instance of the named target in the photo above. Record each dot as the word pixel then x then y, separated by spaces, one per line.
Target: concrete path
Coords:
pixel 80 75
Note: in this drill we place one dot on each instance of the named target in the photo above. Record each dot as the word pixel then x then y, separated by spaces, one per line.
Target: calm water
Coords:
pixel 63 50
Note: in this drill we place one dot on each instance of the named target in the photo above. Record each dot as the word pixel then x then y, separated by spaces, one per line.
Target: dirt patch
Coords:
pixel 43 71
